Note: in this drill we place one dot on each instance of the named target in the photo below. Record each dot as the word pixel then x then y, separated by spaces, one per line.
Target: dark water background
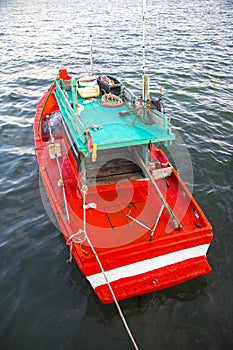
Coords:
pixel 45 302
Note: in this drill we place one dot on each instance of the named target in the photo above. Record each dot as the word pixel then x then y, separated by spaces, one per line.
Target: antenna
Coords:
pixel 143 50
pixel 91 58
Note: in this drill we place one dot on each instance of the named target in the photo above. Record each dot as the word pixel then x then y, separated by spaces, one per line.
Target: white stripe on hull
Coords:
pixel 144 266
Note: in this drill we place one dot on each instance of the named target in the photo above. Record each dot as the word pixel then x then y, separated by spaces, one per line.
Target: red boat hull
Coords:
pixel 134 263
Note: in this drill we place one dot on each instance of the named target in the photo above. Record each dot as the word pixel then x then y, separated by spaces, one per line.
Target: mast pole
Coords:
pixel 143 49
pixel 91 55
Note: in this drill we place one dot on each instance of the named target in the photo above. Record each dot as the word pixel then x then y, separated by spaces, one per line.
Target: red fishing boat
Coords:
pixel 130 222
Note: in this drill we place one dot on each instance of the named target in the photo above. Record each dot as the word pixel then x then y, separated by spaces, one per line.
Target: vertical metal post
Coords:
pixel 91 56
pixel 74 95
pixel 143 49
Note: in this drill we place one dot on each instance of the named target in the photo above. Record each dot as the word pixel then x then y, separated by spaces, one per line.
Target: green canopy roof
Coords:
pixel 109 127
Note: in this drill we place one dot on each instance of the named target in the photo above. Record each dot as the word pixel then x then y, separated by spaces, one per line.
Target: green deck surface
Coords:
pixel 115 130
pixel 119 130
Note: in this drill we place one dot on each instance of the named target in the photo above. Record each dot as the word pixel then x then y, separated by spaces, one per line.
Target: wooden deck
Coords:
pixel 112 166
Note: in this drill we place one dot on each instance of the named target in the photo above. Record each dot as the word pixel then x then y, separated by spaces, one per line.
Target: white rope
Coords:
pixel 84 191
pixel 139 222
pixel 111 99
pixel 80 237
pixel 156 223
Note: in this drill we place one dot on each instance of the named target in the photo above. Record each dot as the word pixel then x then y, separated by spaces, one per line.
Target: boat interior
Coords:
pixel 112 165
pixel 118 167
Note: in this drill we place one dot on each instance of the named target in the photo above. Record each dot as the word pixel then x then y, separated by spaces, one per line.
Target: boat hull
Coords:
pixel 134 262
pixel 154 280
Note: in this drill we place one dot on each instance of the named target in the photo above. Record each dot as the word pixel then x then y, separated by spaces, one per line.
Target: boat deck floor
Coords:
pixel 112 166
pixel 125 211
pixel 121 125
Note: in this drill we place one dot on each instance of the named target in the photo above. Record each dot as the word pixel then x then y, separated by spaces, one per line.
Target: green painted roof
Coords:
pixel 114 130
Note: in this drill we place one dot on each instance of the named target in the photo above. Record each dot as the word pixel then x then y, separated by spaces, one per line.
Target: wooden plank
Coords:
pixel 114 178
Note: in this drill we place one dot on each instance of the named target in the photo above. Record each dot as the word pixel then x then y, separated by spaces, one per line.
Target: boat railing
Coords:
pixel 69 114
pixel 153 115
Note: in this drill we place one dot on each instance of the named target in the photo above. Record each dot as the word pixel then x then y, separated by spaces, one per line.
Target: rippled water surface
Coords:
pixel 45 302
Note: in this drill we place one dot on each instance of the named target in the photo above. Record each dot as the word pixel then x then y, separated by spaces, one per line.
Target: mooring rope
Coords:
pixel 111 100
pixel 82 236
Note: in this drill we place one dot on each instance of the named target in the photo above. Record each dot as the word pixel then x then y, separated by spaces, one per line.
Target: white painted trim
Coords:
pixel 144 266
